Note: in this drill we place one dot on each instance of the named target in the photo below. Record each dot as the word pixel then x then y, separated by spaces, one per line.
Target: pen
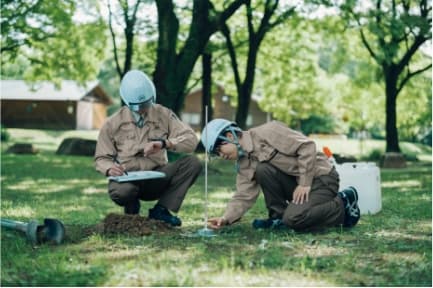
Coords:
pixel 117 162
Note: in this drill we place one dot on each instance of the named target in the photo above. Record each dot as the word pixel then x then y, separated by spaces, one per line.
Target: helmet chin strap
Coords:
pixel 241 152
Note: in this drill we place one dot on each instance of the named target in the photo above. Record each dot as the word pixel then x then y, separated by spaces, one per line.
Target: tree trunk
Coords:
pixel 391 112
pixel 163 76
pixel 244 100
pixel 245 88
pixel 129 35
pixel 173 70
pixel 207 87
pixel 244 97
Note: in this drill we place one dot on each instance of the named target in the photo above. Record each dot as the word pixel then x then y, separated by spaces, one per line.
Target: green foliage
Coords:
pixel 342 52
pixel 359 99
pixel 374 156
pixel 56 46
pixel 15 69
pixel 414 108
pixel 319 67
pixel 308 66
pixel 25 23
pixel 58 59
pixel 4 134
pixel 393 33
pixel 426 138
pixel 318 124
pixel 288 73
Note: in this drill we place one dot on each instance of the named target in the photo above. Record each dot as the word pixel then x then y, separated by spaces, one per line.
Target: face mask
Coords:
pixel 140 106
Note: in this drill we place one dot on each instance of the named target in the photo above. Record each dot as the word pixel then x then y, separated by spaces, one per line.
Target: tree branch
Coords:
pixel 230 10
pixel 27 9
pixel 283 17
pixel 193 85
pixel 264 23
pixel 367 45
pixel 226 32
pixel 113 37
pixel 250 26
pixel 409 53
pixel 410 75
pixel 363 38
pixel 378 8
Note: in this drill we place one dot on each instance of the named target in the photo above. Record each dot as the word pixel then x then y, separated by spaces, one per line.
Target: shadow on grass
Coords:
pixel 45 264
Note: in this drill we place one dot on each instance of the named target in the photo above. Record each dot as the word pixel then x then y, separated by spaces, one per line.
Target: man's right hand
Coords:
pixel 152 147
pixel 116 170
pixel 217 223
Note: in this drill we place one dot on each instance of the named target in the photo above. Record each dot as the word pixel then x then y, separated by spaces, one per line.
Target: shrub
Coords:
pixel 411 156
pixel 318 124
pixel 375 155
pixel 4 134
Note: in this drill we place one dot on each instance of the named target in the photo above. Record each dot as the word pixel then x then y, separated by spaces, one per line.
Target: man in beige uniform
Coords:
pixel 300 185
pixel 137 136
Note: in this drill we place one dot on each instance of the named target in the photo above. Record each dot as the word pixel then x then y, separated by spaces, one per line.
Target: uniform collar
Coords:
pixel 127 115
pixel 151 115
pixel 135 116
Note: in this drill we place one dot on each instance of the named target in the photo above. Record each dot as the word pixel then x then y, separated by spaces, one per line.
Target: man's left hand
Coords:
pixel 300 195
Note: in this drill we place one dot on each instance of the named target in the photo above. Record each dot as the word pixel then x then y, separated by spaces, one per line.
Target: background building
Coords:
pixel 43 106
pixel 191 112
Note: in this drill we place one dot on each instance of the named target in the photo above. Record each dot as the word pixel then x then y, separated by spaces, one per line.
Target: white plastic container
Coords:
pixel 365 177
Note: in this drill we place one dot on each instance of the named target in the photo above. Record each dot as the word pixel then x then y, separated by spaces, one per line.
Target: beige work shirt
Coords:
pixel 288 150
pixel 122 137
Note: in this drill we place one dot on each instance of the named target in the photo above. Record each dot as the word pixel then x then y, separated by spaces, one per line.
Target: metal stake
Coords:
pixel 206 232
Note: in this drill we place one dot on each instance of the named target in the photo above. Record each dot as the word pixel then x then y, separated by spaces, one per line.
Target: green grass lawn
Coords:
pixel 391 248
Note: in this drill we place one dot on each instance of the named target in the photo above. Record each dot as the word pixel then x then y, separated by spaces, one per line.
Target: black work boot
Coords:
pixel 270 223
pixel 159 212
pixel 351 208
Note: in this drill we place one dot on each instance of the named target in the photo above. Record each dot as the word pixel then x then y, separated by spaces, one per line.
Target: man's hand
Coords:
pixel 152 147
pixel 217 223
pixel 300 195
pixel 116 170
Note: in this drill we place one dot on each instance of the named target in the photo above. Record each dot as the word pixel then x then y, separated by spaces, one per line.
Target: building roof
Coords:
pixel 68 91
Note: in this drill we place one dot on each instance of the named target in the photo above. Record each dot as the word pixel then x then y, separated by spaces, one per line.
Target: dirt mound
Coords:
pixel 133 225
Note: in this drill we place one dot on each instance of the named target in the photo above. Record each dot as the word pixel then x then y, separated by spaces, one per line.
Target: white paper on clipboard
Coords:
pixel 137 175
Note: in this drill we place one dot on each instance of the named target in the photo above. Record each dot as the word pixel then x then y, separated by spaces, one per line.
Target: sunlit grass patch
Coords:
pixel 93 190
pixel 16 211
pixel 400 184
pixel 396 235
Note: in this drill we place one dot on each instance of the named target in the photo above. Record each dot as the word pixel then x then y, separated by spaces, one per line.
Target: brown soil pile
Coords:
pixel 133 225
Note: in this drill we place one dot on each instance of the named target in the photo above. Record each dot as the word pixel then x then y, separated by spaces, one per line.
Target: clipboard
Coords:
pixel 137 175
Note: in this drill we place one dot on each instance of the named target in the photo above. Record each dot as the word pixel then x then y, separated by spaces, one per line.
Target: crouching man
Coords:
pixel 136 138
pixel 299 184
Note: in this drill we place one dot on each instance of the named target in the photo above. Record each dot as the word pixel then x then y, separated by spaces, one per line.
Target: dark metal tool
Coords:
pixel 52 231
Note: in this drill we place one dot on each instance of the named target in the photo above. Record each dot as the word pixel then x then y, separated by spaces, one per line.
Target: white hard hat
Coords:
pixel 137 90
pixel 215 130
